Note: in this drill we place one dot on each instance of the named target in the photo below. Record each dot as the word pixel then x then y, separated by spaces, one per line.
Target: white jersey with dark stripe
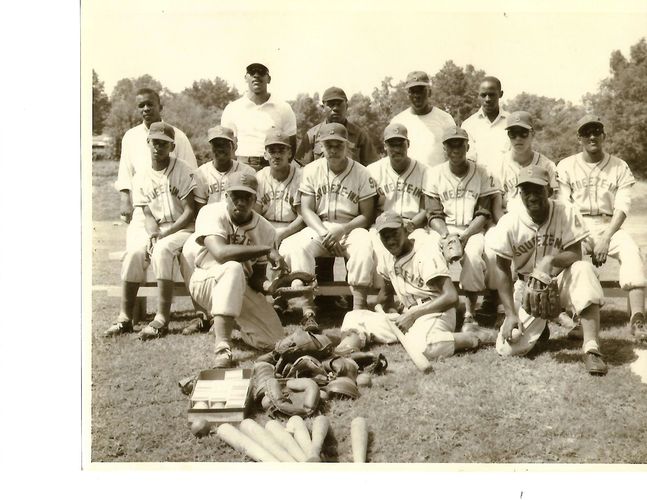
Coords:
pixel 163 191
pixel 508 174
pixel 411 274
pixel 214 219
pixel 517 238
pixel 593 186
pixel 400 193
pixel 337 196
pixel 212 183
pixel 278 199
pixel 459 195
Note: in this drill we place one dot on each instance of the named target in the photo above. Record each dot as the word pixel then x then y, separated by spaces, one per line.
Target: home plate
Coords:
pixel 639 367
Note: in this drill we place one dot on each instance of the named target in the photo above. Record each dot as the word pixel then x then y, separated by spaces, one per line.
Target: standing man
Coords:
pixel 425 123
pixel 335 104
pixel 487 127
pixel 254 115
pixel 599 184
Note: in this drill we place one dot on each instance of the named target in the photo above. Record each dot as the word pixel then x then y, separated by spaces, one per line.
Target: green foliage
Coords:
pixel 455 90
pixel 100 104
pixel 213 94
pixel 308 111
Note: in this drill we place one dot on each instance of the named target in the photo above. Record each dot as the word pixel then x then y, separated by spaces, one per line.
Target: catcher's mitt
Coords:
pixel 283 284
pixel 541 296
pixel 296 397
pixel 452 248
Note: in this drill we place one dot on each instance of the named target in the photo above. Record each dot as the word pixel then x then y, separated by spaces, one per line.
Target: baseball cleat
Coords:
pixel 119 328
pixel 197 325
pixel 309 323
pixel 154 330
pixel 223 357
pixel 594 363
pixel 638 329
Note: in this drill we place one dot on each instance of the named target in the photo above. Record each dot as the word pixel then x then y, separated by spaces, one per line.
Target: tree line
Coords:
pixel 620 102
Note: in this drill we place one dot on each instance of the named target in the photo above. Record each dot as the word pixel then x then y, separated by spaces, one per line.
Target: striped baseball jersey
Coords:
pixel 400 193
pixel 278 199
pixel 337 196
pixel 214 219
pixel 596 188
pixel 459 195
pixel 508 174
pixel 163 191
pixel 517 238
pixel 212 183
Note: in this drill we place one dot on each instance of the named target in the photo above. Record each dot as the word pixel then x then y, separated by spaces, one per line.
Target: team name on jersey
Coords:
pixel 284 195
pixel 455 194
pixel 158 191
pixel 409 277
pixel 399 187
pixel 543 240
pixel 587 182
pixel 217 187
pixel 337 188
pixel 239 239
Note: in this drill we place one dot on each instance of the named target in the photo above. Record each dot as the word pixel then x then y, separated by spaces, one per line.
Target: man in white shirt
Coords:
pixel 255 115
pixel 425 122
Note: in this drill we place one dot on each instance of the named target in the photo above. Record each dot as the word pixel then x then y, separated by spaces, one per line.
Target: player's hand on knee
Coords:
pixel 126 211
pixel 600 251
pixel 278 263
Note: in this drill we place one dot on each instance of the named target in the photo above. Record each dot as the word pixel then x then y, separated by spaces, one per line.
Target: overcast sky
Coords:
pixel 356 44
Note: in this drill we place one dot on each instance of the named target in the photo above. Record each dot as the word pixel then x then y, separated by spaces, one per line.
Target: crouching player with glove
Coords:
pixel 544 241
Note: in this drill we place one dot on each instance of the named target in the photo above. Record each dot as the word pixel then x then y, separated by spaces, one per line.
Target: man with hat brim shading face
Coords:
pixel 424 121
pixel 211 179
pixel 414 271
pixel 165 195
pixel 255 114
pixel 600 184
pixel 236 245
pixel 335 104
pixel 337 205
pixel 545 236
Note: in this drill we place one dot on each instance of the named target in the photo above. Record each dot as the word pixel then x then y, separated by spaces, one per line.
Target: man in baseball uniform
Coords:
pixel 459 199
pixel 425 122
pixel 335 104
pixel 415 272
pixel 165 195
pixel 211 179
pixel 236 244
pixel 337 205
pixel 255 114
pixel 545 236
pixel 599 184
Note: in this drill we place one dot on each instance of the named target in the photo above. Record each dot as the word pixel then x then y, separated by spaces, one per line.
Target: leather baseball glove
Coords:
pixel 283 284
pixel 452 248
pixel 541 296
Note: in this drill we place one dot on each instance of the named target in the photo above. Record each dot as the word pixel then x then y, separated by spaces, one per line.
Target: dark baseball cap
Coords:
pixel 587 120
pixel 241 181
pixel 534 174
pixel 519 119
pixel 220 132
pixel 333 93
pixel 276 137
pixel 417 78
pixel 455 133
pixel 333 131
pixel 388 220
pixel 395 130
pixel 257 65
pixel 162 131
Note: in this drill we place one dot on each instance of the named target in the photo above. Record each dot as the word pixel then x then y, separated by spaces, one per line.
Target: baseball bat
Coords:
pixel 286 440
pixel 301 434
pixel 359 439
pixel 237 440
pixel 320 427
pixel 265 439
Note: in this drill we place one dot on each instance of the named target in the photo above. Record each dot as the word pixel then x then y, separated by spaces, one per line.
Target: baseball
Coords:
pixel 516 335
pixel 200 405
pixel 217 404
pixel 364 380
pixel 200 428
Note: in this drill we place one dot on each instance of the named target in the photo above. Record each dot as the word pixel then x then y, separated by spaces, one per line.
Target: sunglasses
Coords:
pixel 523 133
pixel 487 94
pixel 588 132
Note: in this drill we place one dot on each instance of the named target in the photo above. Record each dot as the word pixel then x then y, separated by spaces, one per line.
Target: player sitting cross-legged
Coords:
pixel 165 193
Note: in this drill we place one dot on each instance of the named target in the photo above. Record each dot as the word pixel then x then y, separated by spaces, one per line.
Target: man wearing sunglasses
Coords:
pixel 599 184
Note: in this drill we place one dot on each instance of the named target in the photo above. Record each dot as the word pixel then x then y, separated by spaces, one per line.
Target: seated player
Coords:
pixel 599 184
pixel 211 179
pixel 415 272
pixel 236 244
pixel 459 197
pixel 165 193
pixel 544 237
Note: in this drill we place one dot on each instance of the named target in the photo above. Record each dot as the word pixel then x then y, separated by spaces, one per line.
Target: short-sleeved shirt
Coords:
pixel 360 147
pixel 400 193
pixel 426 134
pixel 411 274
pixel 337 196
pixel 596 189
pixel 136 154
pixel 508 174
pixel 488 139
pixel 212 183
pixel 252 122
pixel 517 238
pixel 278 199
pixel 459 195
pixel 214 220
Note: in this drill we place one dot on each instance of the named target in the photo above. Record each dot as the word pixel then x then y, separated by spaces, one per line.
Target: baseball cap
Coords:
pixel 455 133
pixel 395 130
pixel 534 174
pixel 240 181
pixel 587 119
pixel 417 78
pixel 220 132
pixel 519 119
pixel 257 65
pixel 162 131
pixel 333 93
pixel 276 137
pixel 388 220
pixel 333 131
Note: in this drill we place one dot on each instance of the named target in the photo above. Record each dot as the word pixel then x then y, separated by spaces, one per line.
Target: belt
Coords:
pixel 606 216
pixel 254 161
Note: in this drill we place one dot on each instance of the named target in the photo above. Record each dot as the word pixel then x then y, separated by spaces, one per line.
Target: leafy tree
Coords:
pixel 307 110
pixel 455 90
pixel 214 94
pixel 100 104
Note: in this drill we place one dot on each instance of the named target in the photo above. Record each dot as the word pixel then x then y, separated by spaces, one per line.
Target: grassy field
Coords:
pixel 473 408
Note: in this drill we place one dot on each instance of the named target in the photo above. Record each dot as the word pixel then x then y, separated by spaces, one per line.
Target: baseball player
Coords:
pixel 335 105
pixel 165 194
pixel 236 243
pixel 459 195
pixel 599 184
pixel 415 272
pixel 211 179
pixel 337 205
pixel 425 123
pixel 255 114
pixel 545 237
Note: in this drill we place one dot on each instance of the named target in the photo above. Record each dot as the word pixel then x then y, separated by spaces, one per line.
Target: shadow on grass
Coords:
pixel 616 351
pixel 614 318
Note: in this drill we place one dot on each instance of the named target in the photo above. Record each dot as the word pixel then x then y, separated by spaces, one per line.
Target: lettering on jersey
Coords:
pixel 510 185
pixel 399 187
pixel 239 239
pixel 158 191
pixel 408 277
pixel 269 196
pixel 338 189
pixel 458 194
pixel 542 240
pixel 217 187
pixel 600 182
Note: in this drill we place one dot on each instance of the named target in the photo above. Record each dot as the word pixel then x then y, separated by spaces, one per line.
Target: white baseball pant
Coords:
pixel 474 265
